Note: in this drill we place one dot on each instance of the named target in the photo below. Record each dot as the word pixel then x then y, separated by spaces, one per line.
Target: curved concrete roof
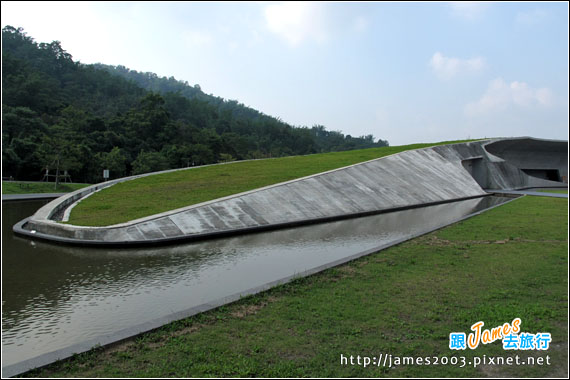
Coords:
pixel 409 179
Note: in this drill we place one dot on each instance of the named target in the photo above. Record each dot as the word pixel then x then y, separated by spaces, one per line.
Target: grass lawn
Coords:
pixel 159 193
pixel 509 262
pixel 21 187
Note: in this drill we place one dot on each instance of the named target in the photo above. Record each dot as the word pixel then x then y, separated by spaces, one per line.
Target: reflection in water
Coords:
pixel 55 296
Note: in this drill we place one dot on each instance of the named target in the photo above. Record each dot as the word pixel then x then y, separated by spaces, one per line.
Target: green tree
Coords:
pixel 148 162
pixel 201 154
pixel 225 157
pixel 59 154
pixel 115 161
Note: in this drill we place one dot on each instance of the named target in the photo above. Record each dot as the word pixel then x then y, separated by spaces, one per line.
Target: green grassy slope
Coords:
pixel 159 193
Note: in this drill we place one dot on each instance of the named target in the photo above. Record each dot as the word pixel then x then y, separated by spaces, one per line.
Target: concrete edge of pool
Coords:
pixel 134 331
pixel 20 230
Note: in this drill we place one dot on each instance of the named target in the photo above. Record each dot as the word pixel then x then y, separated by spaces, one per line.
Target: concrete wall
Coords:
pixel 408 179
pixel 534 154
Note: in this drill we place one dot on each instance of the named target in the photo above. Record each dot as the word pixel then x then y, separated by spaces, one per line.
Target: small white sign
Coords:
pixel 106 174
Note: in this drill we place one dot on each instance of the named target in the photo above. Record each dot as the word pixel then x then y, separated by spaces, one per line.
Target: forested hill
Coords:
pixel 325 141
pixel 163 85
pixel 86 118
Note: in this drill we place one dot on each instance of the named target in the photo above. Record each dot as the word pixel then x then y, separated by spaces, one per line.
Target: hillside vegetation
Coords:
pixel 59 113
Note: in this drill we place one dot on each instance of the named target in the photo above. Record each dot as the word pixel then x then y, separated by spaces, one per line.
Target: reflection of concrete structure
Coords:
pixel 409 179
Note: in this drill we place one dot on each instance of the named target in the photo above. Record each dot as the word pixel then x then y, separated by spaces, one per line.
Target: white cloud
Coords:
pixel 501 95
pixel 448 67
pixel 469 10
pixel 296 22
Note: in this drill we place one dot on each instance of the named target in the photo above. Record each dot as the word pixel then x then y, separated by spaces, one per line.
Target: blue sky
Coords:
pixel 405 72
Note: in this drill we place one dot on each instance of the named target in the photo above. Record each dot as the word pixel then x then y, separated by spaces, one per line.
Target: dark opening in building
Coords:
pixel 548 174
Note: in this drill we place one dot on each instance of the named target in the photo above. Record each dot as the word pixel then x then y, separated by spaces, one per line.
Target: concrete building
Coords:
pixel 409 179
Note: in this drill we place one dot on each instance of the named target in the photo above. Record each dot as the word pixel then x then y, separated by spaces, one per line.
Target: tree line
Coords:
pixel 57 112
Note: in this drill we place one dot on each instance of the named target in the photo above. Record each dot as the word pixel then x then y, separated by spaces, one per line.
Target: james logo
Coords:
pixel 508 333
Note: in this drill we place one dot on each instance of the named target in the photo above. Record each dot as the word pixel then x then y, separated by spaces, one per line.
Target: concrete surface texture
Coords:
pixel 539 159
pixel 408 179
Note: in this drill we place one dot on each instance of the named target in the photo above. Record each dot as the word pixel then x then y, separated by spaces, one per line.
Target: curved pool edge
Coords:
pixel 20 230
pixel 109 340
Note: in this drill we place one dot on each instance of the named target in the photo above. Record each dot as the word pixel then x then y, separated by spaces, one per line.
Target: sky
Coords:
pixel 404 72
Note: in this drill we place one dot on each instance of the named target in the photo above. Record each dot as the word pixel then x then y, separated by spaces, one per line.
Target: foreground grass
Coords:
pixel 159 193
pixel 20 187
pixel 508 262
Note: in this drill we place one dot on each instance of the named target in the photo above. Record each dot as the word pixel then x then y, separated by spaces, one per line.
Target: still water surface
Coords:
pixel 55 296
